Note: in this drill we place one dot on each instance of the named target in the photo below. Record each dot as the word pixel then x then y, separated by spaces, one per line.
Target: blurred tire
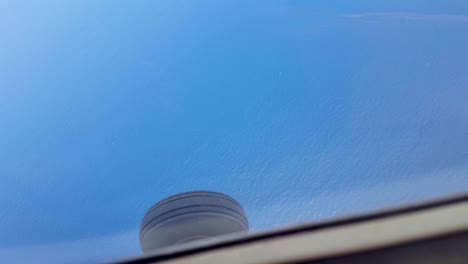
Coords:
pixel 191 216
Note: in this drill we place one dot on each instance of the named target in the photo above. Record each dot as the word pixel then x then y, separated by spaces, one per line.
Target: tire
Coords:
pixel 191 216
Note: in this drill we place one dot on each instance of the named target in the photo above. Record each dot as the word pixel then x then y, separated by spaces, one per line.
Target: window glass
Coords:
pixel 300 110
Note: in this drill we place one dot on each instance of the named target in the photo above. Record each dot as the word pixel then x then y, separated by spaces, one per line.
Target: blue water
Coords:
pixel 301 110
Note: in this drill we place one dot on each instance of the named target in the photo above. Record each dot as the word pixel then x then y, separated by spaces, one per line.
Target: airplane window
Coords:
pixel 277 112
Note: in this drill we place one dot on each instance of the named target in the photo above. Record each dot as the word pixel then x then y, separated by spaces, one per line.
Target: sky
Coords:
pixel 301 110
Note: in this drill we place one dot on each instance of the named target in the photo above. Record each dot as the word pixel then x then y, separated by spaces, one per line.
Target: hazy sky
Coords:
pixel 301 110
